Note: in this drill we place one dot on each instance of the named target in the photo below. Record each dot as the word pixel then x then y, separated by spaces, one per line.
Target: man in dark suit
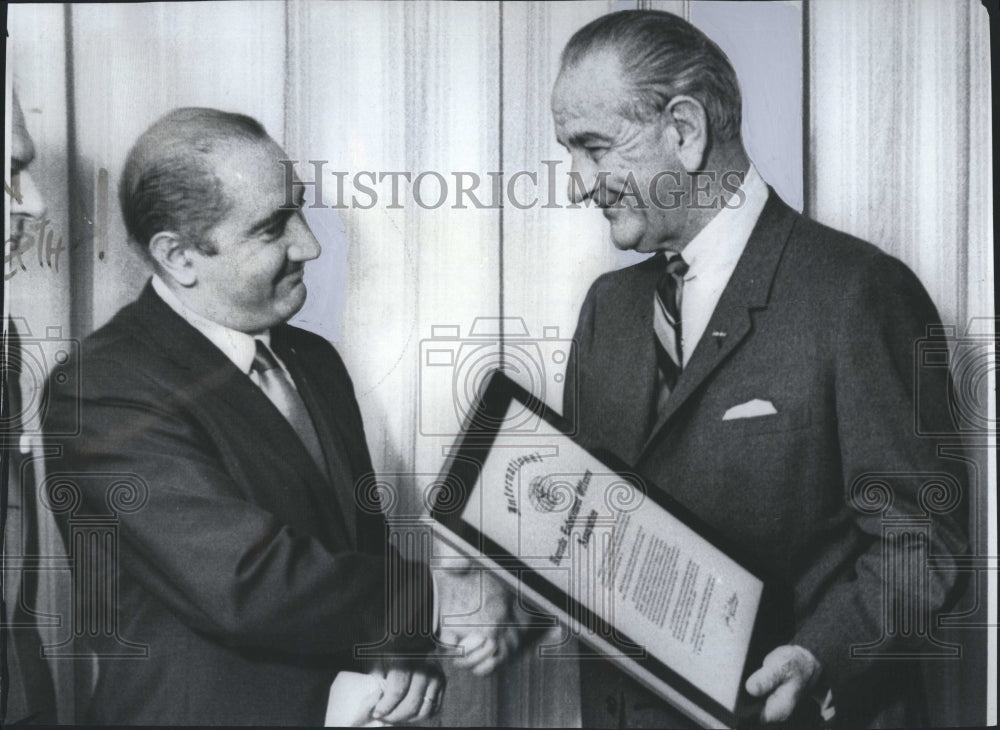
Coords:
pixel 26 690
pixel 249 567
pixel 760 370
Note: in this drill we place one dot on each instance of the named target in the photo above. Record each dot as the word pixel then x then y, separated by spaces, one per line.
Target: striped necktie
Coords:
pixel 277 386
pixel 667 323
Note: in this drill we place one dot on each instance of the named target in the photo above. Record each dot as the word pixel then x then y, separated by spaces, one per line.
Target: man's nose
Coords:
pixel 26 200
pixel 583 178
pixel 303 246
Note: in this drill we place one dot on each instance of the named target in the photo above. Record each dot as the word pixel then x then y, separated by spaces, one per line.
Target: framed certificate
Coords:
pixel 631 572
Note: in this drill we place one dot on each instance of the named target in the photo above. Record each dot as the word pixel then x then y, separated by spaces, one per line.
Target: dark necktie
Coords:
pixel 279 389
pixel 667 323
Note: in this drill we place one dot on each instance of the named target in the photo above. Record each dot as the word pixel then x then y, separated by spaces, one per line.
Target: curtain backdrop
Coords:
pixel 900 154
pixel 874 116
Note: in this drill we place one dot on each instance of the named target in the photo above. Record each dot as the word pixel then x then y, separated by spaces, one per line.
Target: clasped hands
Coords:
pixel 475 630
pixel 483 632
pixel 412 691
pixel 786 676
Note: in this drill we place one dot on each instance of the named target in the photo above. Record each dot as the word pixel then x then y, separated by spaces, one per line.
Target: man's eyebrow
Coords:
pixel 584 138
pixel 276 218
pixel 299 195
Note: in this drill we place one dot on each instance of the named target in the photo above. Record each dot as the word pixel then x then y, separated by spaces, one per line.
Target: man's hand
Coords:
pixel 484 650
pixel 476 617
pixel 414 690
pixel 787 674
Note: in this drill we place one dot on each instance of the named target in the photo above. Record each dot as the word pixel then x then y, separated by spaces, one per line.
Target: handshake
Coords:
pixel 476 630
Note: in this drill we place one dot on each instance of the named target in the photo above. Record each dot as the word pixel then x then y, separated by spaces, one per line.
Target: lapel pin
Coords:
pixel 719 336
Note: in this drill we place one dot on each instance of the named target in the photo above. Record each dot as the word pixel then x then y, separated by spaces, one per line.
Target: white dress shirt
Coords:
pixel 237 346
pixel 711 257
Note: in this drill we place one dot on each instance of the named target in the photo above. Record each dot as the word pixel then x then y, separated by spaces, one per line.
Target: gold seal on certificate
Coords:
pixel 597 547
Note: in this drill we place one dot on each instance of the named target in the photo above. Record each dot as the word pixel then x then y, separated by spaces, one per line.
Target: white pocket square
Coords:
pixel 750 409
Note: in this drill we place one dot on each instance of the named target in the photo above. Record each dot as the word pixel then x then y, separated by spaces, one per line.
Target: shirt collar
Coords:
pixel 720 244
pixel 237 346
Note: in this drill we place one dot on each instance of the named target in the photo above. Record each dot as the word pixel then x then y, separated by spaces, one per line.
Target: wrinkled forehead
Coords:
pixel 22 149
pixel 590 90
pixel 595 81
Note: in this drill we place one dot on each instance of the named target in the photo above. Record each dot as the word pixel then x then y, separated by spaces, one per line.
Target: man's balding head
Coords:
pixel 663 56
pixel 169 182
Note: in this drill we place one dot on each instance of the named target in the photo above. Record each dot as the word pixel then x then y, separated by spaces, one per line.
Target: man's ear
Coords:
pixel 690 123
pixel 173 258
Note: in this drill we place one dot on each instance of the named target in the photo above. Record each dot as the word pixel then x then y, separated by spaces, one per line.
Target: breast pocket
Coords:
pixel 786 419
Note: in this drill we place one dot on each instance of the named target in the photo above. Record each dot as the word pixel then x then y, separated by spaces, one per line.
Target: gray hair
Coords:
pixel 664 56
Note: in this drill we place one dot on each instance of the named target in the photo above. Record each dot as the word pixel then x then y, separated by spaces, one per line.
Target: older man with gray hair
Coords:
pixel 760 369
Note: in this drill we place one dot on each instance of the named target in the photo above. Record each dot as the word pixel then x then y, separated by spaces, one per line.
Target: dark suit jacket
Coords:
pixel 27 692
pixel 248 574
pixel 825 327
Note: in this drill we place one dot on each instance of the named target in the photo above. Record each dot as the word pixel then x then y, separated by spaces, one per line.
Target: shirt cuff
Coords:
pixel 826 709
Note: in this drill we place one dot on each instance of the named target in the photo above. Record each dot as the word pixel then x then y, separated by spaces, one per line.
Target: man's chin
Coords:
pixel 282 309
pixel 293 301
pixel 624 245
pixel 638 243
pixel 626 236
pixel 629 243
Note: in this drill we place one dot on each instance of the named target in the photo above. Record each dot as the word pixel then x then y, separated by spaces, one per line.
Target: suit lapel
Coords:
pixel 631 352
pixel 748 289
pixel 213 376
